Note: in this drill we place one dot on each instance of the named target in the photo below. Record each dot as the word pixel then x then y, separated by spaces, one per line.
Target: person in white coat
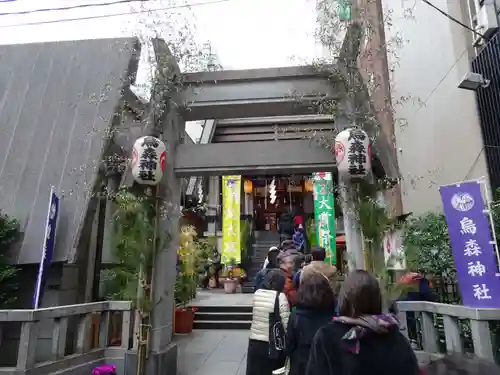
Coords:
pixel 258 361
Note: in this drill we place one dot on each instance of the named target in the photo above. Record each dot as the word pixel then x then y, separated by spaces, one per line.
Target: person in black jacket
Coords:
pixel 315 308
pixel 272 263
pixel 285 226
pixel 362 340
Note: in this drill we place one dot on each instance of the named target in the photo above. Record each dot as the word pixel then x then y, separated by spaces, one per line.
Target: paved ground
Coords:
pixel 217 297
pixel 212 352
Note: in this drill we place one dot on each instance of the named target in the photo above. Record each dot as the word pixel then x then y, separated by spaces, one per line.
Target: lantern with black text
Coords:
pixel 148 160
pixel 353 154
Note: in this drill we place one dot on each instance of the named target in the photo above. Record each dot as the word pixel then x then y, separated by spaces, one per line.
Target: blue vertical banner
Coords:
pixel 472 244
pixel 47 248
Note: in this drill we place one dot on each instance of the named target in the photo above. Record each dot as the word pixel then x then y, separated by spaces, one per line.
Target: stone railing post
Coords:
pixel 452 335
pixel 429 337
pixel 104 327
pixel 481 338
pixel 403 325
pixel 83 343
pixel 126 328
pixel 27 345
pixel 59 332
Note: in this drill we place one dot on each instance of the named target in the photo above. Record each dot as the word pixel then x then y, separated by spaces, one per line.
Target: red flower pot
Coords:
pixel 184 319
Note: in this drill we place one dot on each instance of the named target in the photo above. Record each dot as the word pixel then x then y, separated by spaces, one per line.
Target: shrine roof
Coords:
pixel 57 100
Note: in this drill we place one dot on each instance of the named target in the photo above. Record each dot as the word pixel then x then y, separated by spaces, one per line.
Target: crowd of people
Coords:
pixel 305 323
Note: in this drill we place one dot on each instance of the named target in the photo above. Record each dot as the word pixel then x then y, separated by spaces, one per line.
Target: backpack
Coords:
pixel 298 239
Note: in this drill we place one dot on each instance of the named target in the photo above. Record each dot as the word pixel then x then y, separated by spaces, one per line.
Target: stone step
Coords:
pixel 247 289
pixel 224 309
pixel 223 317
pixel 254 268
pixel 263 246
pixel 208 325
pixel 217 316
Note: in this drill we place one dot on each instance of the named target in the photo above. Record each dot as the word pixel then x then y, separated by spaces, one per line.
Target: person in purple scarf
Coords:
pixel 362 340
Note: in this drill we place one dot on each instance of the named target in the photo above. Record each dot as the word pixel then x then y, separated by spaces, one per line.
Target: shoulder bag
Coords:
pixel 277 335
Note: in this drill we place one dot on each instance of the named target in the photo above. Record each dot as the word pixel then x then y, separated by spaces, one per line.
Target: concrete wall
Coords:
pixel 439 142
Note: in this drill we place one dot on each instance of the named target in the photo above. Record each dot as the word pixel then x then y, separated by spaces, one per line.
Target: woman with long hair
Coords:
pixel 259 361
pixel 315 308
pixel 362 340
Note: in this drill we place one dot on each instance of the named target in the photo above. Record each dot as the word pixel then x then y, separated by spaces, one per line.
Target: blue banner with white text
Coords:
pixel 47 248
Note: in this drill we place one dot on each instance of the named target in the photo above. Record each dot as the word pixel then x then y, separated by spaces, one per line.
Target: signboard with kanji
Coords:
pixel 324 214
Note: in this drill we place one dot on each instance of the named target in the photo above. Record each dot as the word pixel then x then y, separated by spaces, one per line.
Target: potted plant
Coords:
pixel 243 277
pixel 187 280
pixel 231 281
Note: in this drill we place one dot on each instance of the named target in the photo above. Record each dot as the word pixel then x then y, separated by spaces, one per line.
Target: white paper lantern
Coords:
pixel 353 154
pixel 148 160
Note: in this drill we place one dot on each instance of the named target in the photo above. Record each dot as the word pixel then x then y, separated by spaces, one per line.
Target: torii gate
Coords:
pixel 239 97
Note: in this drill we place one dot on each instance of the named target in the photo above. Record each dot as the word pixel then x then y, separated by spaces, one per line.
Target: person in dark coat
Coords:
pixel 216 261
pixel 361 340
pixel 285 226
pixel 296 277
pixel 272 263
pixel 419 289
pixel 314 309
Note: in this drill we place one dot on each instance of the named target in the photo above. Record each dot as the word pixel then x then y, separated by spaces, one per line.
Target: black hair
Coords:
pixel 308 258
pixel 272 258
pixel 316 293
pixel 461 364
pixel 318 253
pixel 287 245
pixel 360 295
pixel 297 262
pixel 274 280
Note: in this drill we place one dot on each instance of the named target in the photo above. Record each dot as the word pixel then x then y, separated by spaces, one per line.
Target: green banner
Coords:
pixel 324 215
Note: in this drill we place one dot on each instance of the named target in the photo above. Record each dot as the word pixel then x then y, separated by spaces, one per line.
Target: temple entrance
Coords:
pixel 293 196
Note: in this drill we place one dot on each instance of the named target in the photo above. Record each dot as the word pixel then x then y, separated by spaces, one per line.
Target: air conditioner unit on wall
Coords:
pixel 487 21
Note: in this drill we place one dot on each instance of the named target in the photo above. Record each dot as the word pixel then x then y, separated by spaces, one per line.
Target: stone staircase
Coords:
pixel 263 241
pixel 223 317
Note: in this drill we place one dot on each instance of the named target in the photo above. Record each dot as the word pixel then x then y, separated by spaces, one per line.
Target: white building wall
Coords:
pixel 438 142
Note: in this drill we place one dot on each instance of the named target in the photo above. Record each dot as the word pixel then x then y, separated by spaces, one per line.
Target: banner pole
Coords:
pixel 490 215
pixel 479 180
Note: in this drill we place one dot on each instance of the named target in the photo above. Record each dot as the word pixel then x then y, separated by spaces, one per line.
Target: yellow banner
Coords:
pixel 231 189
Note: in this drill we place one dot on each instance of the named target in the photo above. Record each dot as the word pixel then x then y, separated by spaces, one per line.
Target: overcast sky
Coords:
pixel 244 34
